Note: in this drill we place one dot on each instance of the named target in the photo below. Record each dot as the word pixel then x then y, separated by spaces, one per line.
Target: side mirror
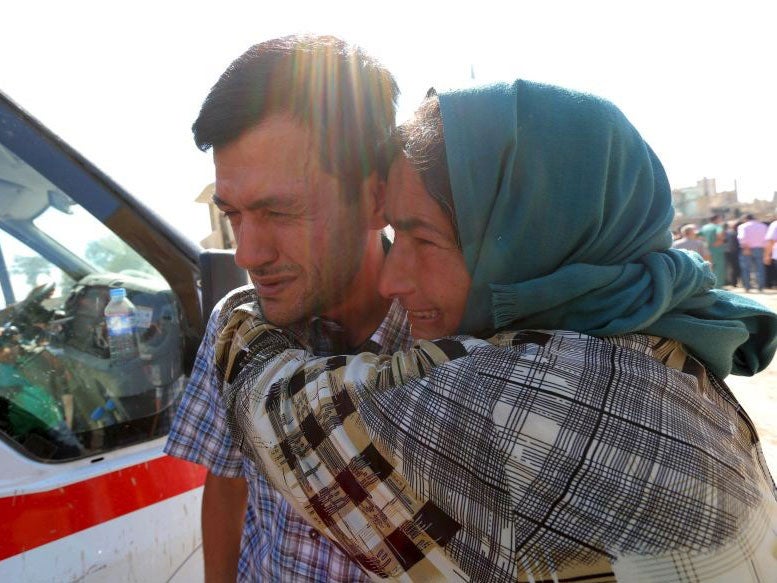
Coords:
pixel 219 276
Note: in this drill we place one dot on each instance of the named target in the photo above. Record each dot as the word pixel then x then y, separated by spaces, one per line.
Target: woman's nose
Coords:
pixel 397 278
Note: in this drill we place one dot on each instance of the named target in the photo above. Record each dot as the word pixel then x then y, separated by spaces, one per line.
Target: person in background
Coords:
pixel 714 235
pixel 590 438
pixel 691 242
pixel 752 238
pixel 770 252
pixel 732 254
pixel 297 126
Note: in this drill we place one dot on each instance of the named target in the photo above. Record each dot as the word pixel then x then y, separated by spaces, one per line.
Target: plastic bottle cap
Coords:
pixel 118 293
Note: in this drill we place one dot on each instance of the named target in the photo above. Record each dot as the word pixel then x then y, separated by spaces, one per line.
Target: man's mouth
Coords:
pixel 271 286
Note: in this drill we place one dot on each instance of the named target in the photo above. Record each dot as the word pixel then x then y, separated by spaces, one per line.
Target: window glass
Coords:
pixel 28 271
pixel 63 393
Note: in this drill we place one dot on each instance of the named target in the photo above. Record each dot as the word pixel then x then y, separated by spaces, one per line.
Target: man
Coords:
pixel 770 251
pixel 690 242
pixel 714 236
pixel 752 239
pixel 297 126
pixel 732 253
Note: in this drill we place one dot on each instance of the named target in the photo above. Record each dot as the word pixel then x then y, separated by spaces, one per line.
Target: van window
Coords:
pixel 63 395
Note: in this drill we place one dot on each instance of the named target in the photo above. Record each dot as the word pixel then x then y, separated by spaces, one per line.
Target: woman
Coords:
pixel 590 437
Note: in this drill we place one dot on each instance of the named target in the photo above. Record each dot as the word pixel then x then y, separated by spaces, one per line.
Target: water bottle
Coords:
pixel 120 320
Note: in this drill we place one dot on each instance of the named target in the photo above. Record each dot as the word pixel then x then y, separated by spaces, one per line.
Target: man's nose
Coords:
pixel 256 245
pixel 397 279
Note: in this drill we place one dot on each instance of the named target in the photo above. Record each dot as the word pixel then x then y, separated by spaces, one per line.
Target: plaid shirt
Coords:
pixel 534 455
pixel 277 545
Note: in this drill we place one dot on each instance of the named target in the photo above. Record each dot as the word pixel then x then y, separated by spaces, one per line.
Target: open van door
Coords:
pixel 85 490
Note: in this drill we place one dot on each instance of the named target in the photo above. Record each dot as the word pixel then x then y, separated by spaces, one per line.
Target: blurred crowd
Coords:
pixel 742 252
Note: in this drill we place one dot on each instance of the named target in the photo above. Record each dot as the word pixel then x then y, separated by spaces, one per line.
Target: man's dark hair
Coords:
pixel 714 218
pixel 342 94
pixel 422 141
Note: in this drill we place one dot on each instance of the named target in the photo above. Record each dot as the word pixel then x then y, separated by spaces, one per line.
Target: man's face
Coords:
pixel 297 235
pixel 425 268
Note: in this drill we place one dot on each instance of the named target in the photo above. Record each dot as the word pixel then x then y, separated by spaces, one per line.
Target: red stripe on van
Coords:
pixel 31 520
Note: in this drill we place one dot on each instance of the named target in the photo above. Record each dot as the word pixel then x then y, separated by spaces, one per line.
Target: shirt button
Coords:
pixel 313 534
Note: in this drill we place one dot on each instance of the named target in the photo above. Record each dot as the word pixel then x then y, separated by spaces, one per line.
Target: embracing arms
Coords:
pixel 533 452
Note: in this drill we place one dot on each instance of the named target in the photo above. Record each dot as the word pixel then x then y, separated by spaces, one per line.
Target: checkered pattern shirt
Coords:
pixel 277 545
pixel 532 456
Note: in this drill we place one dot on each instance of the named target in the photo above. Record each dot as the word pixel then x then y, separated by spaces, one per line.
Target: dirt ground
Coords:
pixel 758 394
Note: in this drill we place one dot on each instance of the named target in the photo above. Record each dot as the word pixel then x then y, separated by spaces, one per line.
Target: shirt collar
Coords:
pixel 325 338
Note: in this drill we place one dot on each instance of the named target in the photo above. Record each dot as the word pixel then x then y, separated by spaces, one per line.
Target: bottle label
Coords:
pixel 119 325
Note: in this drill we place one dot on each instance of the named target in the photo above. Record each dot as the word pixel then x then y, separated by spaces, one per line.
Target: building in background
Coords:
pixel 696 204
pixel 221 236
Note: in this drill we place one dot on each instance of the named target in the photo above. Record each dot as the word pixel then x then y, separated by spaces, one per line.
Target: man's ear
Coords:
pixel 375 201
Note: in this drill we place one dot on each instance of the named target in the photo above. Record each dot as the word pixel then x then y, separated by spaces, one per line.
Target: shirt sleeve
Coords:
pixel 200 433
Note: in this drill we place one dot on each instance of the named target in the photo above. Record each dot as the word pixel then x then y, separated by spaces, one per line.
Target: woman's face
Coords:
pixel 425 268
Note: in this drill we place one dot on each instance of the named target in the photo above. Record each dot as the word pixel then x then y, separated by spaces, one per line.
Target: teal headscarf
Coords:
pixel 563 215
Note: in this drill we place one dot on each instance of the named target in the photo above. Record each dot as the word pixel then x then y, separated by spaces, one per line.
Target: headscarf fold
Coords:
pixel 563 215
